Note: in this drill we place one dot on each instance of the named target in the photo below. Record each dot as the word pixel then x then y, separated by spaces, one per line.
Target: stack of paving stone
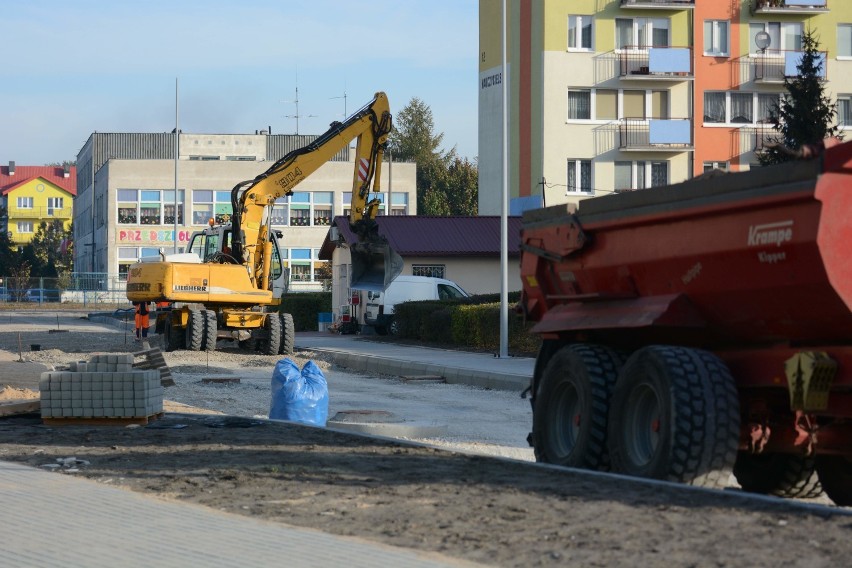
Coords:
pixel 104 387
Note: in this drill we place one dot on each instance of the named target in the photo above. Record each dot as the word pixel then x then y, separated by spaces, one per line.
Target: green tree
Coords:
pixel 443 180
pixel 52 258
pixel 806 114
pixel 8 253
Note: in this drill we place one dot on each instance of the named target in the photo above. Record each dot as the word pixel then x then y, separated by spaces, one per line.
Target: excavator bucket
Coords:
pixel 374 265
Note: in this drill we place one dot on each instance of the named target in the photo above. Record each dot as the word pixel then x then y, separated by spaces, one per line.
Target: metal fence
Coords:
pixel 84 289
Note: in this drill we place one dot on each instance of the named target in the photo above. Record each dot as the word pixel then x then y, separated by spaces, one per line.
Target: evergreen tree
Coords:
pixel 806 114
pixel 51 250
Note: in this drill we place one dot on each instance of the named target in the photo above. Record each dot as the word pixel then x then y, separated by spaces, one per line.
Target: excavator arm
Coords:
pixel 252 200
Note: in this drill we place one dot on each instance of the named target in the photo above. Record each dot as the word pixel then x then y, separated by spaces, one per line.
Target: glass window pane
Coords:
pixel 585 175
pixel 579 105
pixel 148 195
pixel 660 34
pixel 223 196
pixel 708 36
pixel 606 105
pixel 202 196
pixel 722 41
pixel 572 31
pixel 623 175
pixel 127 213
pixel 792 36
pixel 572 176
pixel 323 197
pixel 126 195
pixel 844 108
pixel 201 214
pixel 586 39
pixel 300 197
pixel 765 104
pixel 714 107
pixel 634 104
pixel 844 40
pixel 660 104
pixel 623 33
pixel 742 111
pixel 659 174
pixel 300 254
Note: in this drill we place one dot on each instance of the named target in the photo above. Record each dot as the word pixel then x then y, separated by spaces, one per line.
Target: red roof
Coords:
pixel 52 174
pixel 437 236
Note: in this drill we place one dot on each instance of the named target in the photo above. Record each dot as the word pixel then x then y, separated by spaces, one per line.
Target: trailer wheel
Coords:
pixel 393 327
pixel 571 406
pixel 195 330
pixel 174 336
pixel 783 475
pixel 272 335
pixel 288 335
pixel 835 475
pixel 675 416
pixel 209 330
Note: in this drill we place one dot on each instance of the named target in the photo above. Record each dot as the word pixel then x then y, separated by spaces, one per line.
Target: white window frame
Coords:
pixel 590 92
pixel 715 165
pixel 839 55
pixel 755 106
pixel 717 50
pixel 649 104
pixel 580 20
pixel 25 227
pixel 648 25
pixel 26 203
pixel 847 99
pixel 576 163
pixel 775 50
pixel 636 167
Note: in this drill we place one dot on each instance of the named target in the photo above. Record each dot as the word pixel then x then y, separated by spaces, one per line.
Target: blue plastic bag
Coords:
pixel 299 396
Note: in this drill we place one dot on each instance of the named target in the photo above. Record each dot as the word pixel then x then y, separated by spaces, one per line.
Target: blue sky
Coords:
pixel 73 68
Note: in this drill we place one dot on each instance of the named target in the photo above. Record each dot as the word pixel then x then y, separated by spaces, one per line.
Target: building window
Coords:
pixel 579 176
pixel 399 204
pixel 742 108
pixel 322 201
pixel 54 203
pixel 641 33
pixel 347 201
pixel 710 166
pixel 633 104
pixel 716 38
pixel 579 104
pixel 210 204
pixel 844 40
pixel 739 107
pixel 844 110
pixel 630 176
pixel 767 103
pixel 431 270
pixel 25 203
pixel 580 33
pixel 25 226
pixel 280 212
pixel 659 174
pixel 148 206
pixel 786 36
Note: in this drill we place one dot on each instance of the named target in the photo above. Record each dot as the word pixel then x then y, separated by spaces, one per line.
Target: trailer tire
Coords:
pixel 272 335
pixel 835 476
pixel 210 331
pixel 783 475
pixel 572 405
pixel 195 330
pixel 175 337
pixel 675 416
pixel 393 327
pixel 288 335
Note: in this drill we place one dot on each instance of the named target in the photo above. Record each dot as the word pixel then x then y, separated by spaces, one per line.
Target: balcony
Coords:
pixel 655 135
pixel 756 138
pixel 808 7
pixel 41 213
pixel 655 63
pixel 658 4
pixel 775 66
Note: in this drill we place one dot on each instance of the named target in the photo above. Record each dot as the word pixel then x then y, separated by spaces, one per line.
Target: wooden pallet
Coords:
pixel 152 359
pixel 102 421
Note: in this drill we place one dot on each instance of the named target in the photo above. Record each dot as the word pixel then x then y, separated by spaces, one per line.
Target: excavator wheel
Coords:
pixel 209 343
pixel 288 335
pixel 674 416
pixel 270 344
pixel 195 330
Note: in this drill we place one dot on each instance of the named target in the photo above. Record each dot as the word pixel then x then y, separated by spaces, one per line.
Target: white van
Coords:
pixel 380 305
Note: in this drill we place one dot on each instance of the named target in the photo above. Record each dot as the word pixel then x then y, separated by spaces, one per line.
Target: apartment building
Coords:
pixel 35 194
pixel 617 95
pixel 127 206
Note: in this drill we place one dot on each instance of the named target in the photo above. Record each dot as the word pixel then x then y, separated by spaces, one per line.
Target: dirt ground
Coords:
pixel 496 512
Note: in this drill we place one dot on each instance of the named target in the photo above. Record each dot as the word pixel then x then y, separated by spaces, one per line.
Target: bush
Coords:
pixel 305 308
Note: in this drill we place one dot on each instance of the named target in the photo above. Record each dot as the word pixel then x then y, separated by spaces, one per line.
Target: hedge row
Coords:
pixel 467 324
pixel 305 308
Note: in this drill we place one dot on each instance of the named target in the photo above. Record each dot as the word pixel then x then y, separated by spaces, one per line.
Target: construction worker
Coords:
pixel 142 321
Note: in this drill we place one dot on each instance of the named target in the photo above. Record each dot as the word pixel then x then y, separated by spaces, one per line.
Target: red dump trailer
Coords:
pixel 699 329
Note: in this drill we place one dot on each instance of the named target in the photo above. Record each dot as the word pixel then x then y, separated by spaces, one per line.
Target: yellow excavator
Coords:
pixel 229 282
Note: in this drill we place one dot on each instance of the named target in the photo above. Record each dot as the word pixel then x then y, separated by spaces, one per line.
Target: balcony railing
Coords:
pixel 659 4
pixel 775 66
pixel 756 138
pixel 41 213
pixel 655 135
pixel 666 63
pixel 789 6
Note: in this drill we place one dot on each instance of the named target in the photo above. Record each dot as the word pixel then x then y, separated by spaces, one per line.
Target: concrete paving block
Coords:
pixel 109 411
pixel 46 412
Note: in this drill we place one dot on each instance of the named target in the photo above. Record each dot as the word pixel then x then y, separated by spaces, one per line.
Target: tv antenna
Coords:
pixel 344 103
pixel 297 116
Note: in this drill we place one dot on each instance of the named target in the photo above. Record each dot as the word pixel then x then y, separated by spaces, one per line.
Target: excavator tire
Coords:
pixel 270 344
pixel 195 330
pixel 782 475
pixel 209 330
pixel 174 336
pixel 674 416
pixel 288 335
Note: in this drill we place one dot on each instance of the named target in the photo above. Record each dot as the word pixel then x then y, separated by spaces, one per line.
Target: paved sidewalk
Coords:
pixel 460 367
pixel 55 520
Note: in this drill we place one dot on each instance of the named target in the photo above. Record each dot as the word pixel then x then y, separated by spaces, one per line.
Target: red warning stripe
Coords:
pixel 363 169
